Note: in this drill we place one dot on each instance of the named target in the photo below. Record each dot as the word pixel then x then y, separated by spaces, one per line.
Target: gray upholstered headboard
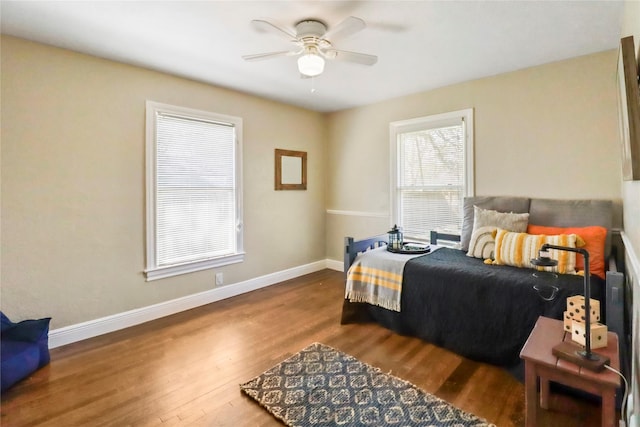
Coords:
pixel 573 213
pixel 548 212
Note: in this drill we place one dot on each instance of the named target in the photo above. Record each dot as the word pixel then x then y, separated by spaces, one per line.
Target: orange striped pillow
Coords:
pixel 517 249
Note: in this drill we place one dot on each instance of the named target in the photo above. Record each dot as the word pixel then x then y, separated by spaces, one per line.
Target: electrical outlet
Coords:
pixel 219 279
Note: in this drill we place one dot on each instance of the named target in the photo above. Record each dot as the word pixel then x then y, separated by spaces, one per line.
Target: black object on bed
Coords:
pixel 483 312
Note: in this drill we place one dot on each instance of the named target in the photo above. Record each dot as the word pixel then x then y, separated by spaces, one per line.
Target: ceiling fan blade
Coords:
pixel 350 25
pixel 269 55
pixel 343 55
pixel 267 27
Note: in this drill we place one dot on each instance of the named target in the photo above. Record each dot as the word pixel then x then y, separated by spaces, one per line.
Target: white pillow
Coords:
pixel 482 242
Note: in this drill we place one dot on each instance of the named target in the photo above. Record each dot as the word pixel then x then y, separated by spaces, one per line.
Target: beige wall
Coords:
pixel 73 169
pixel 73 238
pixel 547 131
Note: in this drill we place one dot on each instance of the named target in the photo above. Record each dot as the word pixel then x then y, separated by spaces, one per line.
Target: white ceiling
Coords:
pixel 421 45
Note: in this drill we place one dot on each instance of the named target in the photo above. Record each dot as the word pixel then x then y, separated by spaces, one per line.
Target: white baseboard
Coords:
pixel 335 265
pixel 93 328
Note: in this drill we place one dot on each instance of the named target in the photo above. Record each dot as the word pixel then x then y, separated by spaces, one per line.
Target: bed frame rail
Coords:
pixel 353 247
pixel 435 236
pixel 615 313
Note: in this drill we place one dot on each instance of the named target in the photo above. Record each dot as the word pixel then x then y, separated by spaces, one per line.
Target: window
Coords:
pixel 194 192
pixel 431 172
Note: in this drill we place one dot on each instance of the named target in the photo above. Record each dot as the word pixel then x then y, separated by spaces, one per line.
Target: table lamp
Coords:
pixel 568 350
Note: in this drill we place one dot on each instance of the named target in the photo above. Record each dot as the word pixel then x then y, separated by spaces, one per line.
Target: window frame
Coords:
pixel 153 271
pixel 429 122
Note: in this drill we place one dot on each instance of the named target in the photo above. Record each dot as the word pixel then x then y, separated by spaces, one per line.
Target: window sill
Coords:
pixel 175 270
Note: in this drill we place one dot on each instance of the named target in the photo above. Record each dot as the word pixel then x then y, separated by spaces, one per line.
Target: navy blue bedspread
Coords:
pixel 483 312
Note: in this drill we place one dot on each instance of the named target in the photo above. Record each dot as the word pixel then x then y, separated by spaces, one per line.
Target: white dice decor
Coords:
pixel 575 307
pixel 574 322
pixel 598 334
pixel 568 321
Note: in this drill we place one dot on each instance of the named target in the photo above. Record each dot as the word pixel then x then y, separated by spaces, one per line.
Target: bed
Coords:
pixel 481 310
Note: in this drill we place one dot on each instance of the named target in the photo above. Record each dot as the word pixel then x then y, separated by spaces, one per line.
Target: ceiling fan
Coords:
pixel 311 44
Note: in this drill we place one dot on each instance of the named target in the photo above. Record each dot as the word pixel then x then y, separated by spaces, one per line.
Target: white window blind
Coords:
pixel 193 209
pixel 431 173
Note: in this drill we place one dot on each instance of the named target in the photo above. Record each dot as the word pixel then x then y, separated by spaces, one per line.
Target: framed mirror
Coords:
pixel 629 109
pixel 291 170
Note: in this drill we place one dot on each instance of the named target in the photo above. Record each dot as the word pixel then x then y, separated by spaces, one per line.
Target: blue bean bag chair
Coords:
pixel 24 347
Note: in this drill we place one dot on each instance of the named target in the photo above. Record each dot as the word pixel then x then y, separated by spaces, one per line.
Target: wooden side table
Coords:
pixel 541 363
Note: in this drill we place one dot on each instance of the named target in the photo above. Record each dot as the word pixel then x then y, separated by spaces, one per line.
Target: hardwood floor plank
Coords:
pixel 185 369
pixel 458 379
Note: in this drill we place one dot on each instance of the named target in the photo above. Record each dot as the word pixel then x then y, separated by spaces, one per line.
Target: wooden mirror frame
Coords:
pixel 278 166
pixel 629 109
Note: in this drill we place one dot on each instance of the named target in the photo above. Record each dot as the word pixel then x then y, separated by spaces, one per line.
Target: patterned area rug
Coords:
pixel 321 386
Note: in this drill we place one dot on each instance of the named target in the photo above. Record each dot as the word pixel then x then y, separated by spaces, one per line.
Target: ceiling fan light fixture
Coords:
pixel 311 64
pixel 311 44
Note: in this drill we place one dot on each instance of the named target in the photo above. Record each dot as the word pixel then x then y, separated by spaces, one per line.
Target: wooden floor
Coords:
pixel 185 369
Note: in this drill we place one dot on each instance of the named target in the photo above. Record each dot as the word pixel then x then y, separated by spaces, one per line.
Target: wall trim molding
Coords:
pixel 335 265
pixel 633 269
pixel 631 255
pixel 93 328
pixel 358 213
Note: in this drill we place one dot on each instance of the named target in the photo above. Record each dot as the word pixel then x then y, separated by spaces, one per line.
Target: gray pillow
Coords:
pixel 498 203
pixel 486 220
